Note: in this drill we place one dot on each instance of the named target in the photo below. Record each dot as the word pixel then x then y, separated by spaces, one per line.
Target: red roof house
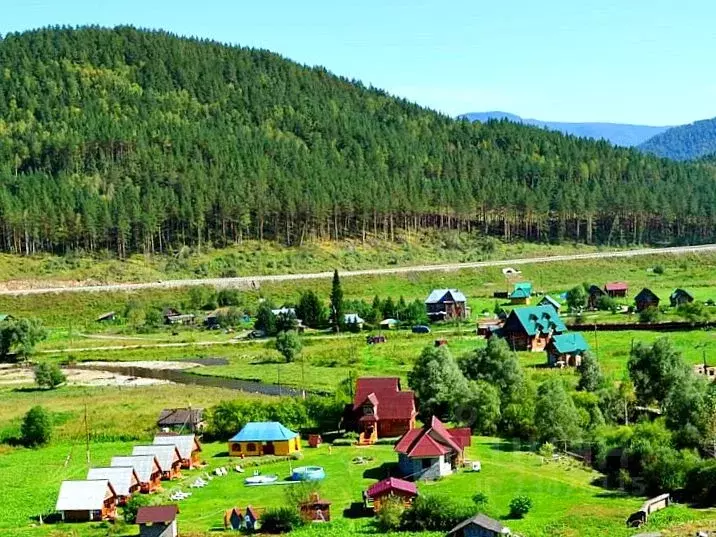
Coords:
pixel 390 488
pixel 616 289
pixel 432 451
pixel 381 409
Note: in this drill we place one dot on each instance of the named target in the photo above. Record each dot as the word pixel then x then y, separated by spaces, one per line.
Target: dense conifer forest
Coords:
pixel 685 142
pixel 128 140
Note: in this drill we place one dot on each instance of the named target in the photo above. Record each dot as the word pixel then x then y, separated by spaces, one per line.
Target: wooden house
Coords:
pixel 87 501
pixel 264 438
pixel 392 487
pixel 380 409
pixel 168 458
pixel 480 526
pixel 124 480
pixel 158 521
pixel 680 297
pixel 566 349
pixel 187 444
pixel 530 328
pixel 432 451
pixel 616 289
pixel 521 294
pixel 646 299
pixel 594 293
pixel 174 317
pixel 315 509
pixel 147 469
pixel 549 301
pixel 182 419
pixel 446 304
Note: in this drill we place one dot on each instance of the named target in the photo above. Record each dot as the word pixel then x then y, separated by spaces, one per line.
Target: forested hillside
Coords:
pixel 622 134
pixel 686 142
pixel 127 140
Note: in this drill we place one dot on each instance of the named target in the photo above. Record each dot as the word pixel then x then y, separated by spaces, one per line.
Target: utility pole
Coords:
pixel 87 437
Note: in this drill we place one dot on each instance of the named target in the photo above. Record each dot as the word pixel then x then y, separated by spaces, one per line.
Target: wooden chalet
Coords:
pixel 480 526
pixel 315 509
pixel 89 500
pixel 187 444
pixel 646 299
pixel 446 304
pixel 530 328
pixel 566 349
pixel 380 492
pixel 168 457
pixel 680 297
pixel 380 409
pixel 182 419
pixel 616 289
pixel 432 451
pixel 124 480
pixel 521 294
pixel 158 521
pixel 146 468
pixel 594 293
pixel 549 301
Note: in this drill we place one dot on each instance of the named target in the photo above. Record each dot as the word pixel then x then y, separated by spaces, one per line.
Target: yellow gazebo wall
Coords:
pixel 281 448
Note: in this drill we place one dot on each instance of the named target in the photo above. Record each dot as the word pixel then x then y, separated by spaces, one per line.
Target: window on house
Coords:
pixel 236 447
pixel 251 447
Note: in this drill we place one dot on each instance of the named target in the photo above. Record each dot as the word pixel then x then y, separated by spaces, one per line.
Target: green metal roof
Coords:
pixel 541 319
pixel 570 343
pixel 548 300
pixel 520 293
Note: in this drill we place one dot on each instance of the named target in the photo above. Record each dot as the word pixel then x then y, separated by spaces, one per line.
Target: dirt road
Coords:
pixel 247 282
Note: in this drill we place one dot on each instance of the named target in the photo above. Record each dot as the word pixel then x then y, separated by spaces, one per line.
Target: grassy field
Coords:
pixel 566 500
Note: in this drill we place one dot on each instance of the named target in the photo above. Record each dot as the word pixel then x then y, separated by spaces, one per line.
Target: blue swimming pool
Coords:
pixel 308 473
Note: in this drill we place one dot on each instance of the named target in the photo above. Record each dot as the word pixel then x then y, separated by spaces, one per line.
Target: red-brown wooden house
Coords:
pixel 392 487
pixel 381 409
pixel 616 289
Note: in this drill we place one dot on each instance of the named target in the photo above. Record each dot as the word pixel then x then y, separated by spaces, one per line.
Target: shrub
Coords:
pixel 351 435
pixel 280 520
pixel 546 450
pixel 607 303
pixel 649 315
pixel 658 269
pixel 433 513
pixel 228 297
pixel 520 506
pixel 701 483
pixel 390 515
pixel 49 375
pixel 480 499
pixel 36 427
pixel 133 505
pixel 343 442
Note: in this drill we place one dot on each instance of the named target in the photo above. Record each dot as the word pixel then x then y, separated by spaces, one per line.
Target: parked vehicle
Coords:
pixel 256 334
pixel 421 329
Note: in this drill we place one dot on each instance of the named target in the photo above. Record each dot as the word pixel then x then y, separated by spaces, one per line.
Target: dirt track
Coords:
pixel 254 281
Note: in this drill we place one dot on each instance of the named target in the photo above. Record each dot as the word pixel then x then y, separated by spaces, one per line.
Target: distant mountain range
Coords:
pixel 616 133
pixel 685 142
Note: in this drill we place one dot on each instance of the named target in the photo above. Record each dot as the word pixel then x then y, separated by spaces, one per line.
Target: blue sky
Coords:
pixel 638 61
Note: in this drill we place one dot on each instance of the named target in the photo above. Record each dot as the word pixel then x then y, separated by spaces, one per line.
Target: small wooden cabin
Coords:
pixel 521 294
pixel 315 509
pixel 146 468
pixel 549 301
pixel 680 297
pixel 187 444
pixel 616 289
pixel 90 500
pixel 446 304
pixel 594 293
pixel 158 521
pixel 168 457
pixel 646 299
pixel 566 349
pixel 392 487
pixel 182 419
pixel 480 526
pixel 124 480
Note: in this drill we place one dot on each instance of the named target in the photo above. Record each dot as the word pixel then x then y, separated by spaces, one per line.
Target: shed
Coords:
pixel 87 500
pixel 594 293
pixel 679 297
pixel 158 521
pixel 566 349
pixel 315 509
pixel 109 316
pixel 264 438
pixel 181 419
pixel 549 301
pixel 391 487
pixel 124 480
pixel 479 526
pixel 616 289
pixel 646 299
pixel 389 324
pixel 521 294
pixel 168 458
pixel 187 444
pixel 146 467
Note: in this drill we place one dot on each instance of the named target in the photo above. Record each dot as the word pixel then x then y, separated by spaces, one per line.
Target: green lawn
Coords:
pixel 566 500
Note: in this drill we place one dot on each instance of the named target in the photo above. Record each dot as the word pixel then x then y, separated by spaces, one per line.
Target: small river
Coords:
pixel 190 377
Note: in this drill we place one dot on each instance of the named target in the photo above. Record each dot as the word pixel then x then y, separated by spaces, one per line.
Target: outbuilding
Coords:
pixel 168 458
pixel 147 469
pixel 181 419
pixel 391 487
pixel 315 509
pixel 158 521
pixel 616 289
pixel 87 501
pixel 187 444
pixel 479 526
pixel 566 349
pixel 680 297
pixel 549 301
pixel 646 299
pixel 264 438
pixel 521 294
pixel 124 480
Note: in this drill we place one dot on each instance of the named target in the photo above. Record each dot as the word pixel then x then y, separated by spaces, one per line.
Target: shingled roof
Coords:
pixel 170 417
pixel 432 440
pixel 391 484
pixel 157 514
pixel 481 521
pixel 385 395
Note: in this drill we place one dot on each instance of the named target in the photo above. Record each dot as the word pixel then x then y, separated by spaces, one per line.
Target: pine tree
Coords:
pixel 337 314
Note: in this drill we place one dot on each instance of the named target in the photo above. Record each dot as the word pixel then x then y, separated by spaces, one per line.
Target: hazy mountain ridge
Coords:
pixel 686 142
pixel 620 134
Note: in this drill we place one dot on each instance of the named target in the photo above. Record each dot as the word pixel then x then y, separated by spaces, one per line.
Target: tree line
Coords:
pixel 126 141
